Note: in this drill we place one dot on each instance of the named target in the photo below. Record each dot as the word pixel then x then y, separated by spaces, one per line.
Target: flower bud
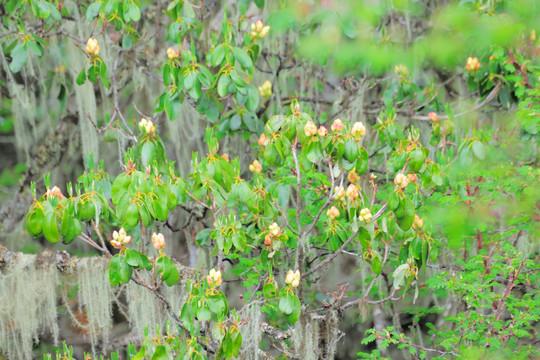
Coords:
pixel 533 35
pixel 418 222
pixel 263 140
pixel 333 212
pixel 265 90
pixel 92 47
pixel 433 116
pixel 225 156
pixel 268 239
pixel 358 129
pixel 255 166
pixel 293 278
pixel 54 192
pixel 399 178
pixel 310 129
pixel 171 53
pixel 353 176
pixel 472 64
pixel 365 215
pixel 214 278
pixel 339 193
pixel 337 125
pixel 158 240
pixel 352 192
pixel 274 229
pixel 322 131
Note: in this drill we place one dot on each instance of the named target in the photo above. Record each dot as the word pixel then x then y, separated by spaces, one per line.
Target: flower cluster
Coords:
pixel 333 212
pixel 472 64
pixel 54 192
pixel 120 239
pixel 158 240
pixel 263 140
pixel 293 278
pixel 92 47
pixel 310 129
pixel 255 166
pixel 274 232
pixel 258 30
pixel 214 278
pixel 352 192
pixel 147 126
pixel 337 125
pixel 402 180
pixel 322 131
pixel 265 90
pixel 365 215
pixel 171 53
pixel 358 129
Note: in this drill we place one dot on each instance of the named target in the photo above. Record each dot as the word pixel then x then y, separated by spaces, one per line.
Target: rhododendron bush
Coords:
pixel 254 180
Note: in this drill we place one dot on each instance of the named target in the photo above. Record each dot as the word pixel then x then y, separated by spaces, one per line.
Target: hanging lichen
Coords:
pixel 251 333
pixel 84 94
pixel 95 299
pixel 306 338
pixel 34 308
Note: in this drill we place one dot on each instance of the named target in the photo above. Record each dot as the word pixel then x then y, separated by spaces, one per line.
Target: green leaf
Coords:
pixel 286 303
pixel 34 221
pixel 132 215
pixel 18 58
pixel 218 55
pixel 399 276
pixel 314 153
pixel 93 10
pixel 204 314
pixel 134 12
pixel 351 150
pixel 50 227
pixel 166 267
pixel 81 79
pixel 243 58
pixel 416 159
pixel 160 353
pixel 223 85
pixel 127 42
pixel 148 153
pixel 252 101
pixel 479 150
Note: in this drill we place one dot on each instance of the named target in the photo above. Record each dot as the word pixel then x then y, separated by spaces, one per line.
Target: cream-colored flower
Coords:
pixel 263 140
pixel 333 212
pixel 92 47
pixel 158 240
pixel 322 131
pixel 265 90
pixel 275 229
pixel 353 176
pixel 365 215
pixel 337 125
pixel 398 180
pixel 259 30
pixel 214 278
pixel 358 129
pixel 472 64
pixel 339 193
pixel 310 129
pixel 255 166
pixel 293 278
pixel 352 192
pixel 120 238
pixel 171 53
